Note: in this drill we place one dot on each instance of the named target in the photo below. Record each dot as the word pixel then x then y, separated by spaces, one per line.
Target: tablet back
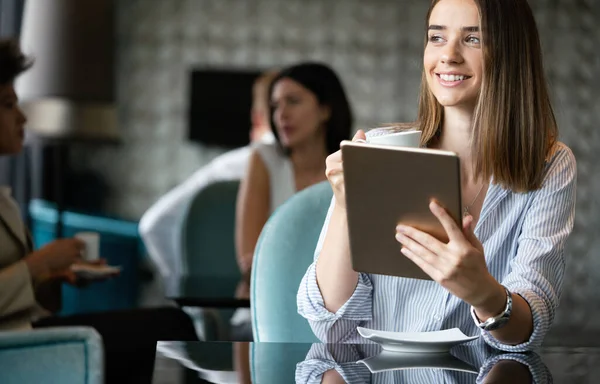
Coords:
pixel 388 185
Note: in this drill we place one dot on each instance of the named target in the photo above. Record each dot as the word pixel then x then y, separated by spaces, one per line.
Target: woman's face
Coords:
pixel 12 122
pixel 297 114
pixel 453 58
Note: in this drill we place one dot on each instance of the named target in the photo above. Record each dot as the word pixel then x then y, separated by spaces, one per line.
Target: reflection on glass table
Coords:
pixel 200 362
pixel 205 291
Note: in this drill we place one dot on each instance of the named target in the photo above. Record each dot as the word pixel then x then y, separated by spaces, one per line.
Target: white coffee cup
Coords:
pixel 92 245
pixel 402 139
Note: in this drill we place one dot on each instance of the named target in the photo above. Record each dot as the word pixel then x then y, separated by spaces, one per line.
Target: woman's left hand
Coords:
pixel 459 266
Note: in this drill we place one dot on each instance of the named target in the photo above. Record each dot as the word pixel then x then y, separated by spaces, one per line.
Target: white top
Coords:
pixel 282 183
pixel 523 236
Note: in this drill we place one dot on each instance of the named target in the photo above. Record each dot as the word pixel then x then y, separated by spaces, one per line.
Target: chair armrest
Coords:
pixel 52 355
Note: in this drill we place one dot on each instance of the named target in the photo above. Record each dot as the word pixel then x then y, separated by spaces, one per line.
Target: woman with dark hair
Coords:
pixel 30 280
pixel 483 96
pixel 310 115
pixel 330 95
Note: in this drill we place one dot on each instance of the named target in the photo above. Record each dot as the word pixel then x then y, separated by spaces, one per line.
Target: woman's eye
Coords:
pixel 473 40
pixel 435 38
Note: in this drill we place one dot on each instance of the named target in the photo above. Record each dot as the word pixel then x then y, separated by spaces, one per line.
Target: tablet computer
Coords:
pixel 388 185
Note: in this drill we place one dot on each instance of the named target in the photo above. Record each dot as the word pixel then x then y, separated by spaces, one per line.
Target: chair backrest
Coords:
pixel 208 231
pixel 70 355
pixel 284 251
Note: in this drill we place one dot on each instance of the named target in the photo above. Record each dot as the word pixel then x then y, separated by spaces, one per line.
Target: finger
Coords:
pixel 334 158
pixel 69 276
pixel 453 231
pixel 425 266
pixel 333 167
pixel 421 238
pixel 467 227
pixel 469 232
pixel 334 170
pixel 466 224
pixel 418 250
pixel 78 243
pixel 359 135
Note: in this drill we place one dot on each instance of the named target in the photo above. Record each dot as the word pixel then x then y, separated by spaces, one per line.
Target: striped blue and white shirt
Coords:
pixel 523 236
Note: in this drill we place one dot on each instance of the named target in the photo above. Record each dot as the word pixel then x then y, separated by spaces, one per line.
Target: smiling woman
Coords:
pixel 484 97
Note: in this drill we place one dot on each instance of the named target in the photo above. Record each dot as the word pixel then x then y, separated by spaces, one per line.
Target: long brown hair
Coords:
pixel 514 126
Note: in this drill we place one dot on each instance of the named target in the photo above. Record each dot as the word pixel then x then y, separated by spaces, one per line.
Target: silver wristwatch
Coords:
pixel 495 322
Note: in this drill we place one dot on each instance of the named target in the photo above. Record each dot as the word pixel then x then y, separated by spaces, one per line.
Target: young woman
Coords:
pixel 483 96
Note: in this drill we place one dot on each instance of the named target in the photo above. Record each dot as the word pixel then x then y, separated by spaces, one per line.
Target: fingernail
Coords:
pixel 400 238
pixel 401 229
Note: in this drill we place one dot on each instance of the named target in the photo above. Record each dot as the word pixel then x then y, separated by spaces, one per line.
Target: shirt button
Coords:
pixel 437 317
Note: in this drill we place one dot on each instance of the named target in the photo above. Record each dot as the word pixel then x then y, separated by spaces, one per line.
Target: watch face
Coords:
pixel 499 321
pixel 496 323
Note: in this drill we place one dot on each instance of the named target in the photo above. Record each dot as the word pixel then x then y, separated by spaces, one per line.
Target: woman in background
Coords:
pixel 310 115
pixel 30 280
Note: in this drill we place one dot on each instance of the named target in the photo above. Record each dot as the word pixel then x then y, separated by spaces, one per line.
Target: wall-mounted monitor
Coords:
pixel 219 106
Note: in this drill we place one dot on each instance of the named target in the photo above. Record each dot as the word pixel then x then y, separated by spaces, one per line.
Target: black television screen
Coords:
pixel 219 109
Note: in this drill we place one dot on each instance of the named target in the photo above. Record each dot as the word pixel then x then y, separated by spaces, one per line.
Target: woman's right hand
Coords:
pixel 335 172
pixel 54 258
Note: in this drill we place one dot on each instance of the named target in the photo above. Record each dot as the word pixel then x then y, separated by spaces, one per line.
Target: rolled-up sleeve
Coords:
pixel 537 271
pixel 331 327
pixel 537 369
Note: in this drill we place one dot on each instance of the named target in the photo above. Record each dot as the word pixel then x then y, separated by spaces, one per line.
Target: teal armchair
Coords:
pixel 284 251
pixel 209 250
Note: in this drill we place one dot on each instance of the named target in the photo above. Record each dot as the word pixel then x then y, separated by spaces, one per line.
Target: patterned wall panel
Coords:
pixel 376 48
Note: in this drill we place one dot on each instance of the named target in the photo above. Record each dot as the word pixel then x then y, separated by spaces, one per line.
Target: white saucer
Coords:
pixel 421 342
pixel 86 271
pixel 391 361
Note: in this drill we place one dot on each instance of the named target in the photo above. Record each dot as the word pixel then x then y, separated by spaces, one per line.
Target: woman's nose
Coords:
pixel 21 118
pixel 451 54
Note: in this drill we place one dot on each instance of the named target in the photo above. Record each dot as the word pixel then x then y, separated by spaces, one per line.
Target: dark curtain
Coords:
pixel 14 169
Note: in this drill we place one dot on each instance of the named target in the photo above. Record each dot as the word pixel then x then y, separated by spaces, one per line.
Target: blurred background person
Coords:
pixel 30 280
pixel 310 115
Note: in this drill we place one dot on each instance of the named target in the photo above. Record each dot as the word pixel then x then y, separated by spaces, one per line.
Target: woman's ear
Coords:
pixel 325 113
